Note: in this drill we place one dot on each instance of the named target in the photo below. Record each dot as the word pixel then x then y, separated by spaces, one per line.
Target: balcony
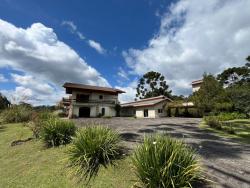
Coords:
pixel 94 101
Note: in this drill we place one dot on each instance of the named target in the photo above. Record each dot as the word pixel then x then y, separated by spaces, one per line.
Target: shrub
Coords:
pixel 231 116
pixel 92 148
pixel 228 128
pixel 16 114
pixel 213 122
pixel 162 161
pixel 57 132
pixel 38 119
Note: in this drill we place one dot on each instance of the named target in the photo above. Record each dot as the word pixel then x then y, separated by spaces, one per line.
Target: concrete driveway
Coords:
pixel 226 161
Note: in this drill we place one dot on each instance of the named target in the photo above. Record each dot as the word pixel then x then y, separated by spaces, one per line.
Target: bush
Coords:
pixel 213 122
pixel 92 148
pixel 57 132
pixel 38 119
pixel 231 116
pixel 227 126
pixel 162 161
pixel 16 114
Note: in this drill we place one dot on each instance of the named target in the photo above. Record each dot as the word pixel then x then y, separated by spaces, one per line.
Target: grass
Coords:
pixel 32 165
pixel 240 126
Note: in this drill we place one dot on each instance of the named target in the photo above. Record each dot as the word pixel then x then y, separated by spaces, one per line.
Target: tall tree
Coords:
pixel 152 84
pixel 4 102
pixel 210 94
pixel 235 75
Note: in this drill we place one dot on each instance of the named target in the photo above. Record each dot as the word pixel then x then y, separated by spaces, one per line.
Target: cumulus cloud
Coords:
pixel 130 90
pixel 2 78
pixel 97 46
pixel 41 57
pixel 195 37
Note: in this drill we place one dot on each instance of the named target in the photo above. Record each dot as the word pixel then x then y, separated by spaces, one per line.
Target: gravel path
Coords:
pixel 226 161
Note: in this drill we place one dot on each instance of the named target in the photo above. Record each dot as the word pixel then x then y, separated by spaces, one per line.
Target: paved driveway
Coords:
pixel 227 162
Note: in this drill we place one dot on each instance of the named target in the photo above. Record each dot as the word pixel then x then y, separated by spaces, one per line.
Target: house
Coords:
pixel 91 101
pixel 146 108
pixel 196 85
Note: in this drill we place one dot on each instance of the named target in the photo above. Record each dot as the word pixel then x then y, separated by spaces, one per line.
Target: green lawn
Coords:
pixel 240 126
pixel 32 165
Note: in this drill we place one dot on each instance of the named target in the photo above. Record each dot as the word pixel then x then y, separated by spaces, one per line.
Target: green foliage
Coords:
pixel 4 102
pixel 16 114
pixel 38 119
pixel 235 75
pixel 152 84
pixel 162 162
pixel 93 147
pixel 57 132
pixel 213 122
pixel 117 110
pixel 210 94
pixel 240 97
pixel 227 126
pixel 230 116
pixel 223 107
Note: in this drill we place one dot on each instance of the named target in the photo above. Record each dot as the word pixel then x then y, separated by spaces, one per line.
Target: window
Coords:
pixel 145 112
pixel 159 111
pixel 82 98
pixel 100 97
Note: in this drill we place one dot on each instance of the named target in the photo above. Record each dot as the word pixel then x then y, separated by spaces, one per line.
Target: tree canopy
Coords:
pixel 235 75
pixel 152 84
pixel 4 102
pixel 211 95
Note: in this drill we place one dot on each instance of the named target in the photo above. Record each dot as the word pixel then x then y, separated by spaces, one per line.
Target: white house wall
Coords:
pixel 152 111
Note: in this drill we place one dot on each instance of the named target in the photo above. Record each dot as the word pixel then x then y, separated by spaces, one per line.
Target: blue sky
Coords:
pixel 116 25
pixel 114 42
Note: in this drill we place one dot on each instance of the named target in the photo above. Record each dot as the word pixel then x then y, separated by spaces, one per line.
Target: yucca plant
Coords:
pixel 162 162
pixel 93 147
pixel 57 132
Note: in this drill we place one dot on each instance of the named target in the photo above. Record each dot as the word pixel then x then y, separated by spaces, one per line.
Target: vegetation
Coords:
pixel 165 162
pixel 152 84
pixel 16 114
pixel 93 147
pixel 31 165
pixel 4 102
pixel 213 122
pixel 238 129
pixel 38 119
pixel 57 132
pixel 211 95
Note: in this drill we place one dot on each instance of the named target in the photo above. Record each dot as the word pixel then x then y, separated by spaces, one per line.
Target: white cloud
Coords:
pixel 2 78
pixel 73 28
pixel 70 24
pixel 130 92
pixel 40 86
pixel 41 57
pixel 122 73
pixel 97 46
pixel 195 37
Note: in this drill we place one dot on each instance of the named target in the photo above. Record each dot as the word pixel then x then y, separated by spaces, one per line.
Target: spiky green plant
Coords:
pixel 57 132
pixel 162 162
pixel 93 147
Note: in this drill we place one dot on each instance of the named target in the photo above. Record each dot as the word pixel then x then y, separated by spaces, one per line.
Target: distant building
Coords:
pixel 146 108
pixel 91 101
pixel 196 85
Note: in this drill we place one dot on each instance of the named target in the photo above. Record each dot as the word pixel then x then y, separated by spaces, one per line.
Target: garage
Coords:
pixel 84 112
